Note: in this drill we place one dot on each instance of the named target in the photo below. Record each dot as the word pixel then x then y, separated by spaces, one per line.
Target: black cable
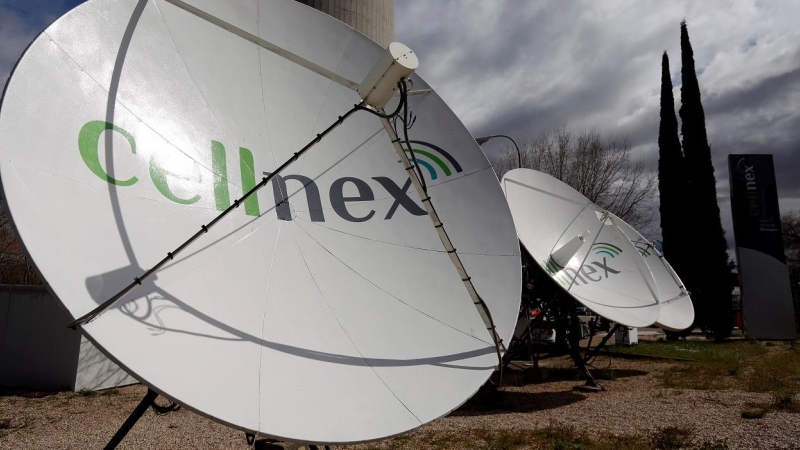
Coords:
pixel 404 93
pixel 137 281
pixel 403 101
pixel 166 409
pixel 406 125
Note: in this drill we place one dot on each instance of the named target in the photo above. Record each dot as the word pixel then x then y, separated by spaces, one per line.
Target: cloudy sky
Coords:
pixel 520 67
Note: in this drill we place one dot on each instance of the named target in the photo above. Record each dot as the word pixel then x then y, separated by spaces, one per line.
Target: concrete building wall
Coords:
pixel 373 18
pixel 95 371
pixel 38 351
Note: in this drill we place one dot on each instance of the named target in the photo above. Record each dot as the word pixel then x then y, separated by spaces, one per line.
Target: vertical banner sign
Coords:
pixel 763 275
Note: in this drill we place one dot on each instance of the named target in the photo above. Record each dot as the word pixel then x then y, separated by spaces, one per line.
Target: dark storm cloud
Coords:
pixel 769 108
pixel 541 66
pixel 519 67
pixel 762 93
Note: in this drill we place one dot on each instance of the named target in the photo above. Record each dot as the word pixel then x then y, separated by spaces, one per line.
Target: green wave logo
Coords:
pixel 604 248
pixel 437 161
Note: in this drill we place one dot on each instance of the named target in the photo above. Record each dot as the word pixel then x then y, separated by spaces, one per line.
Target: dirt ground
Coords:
pixel 636 403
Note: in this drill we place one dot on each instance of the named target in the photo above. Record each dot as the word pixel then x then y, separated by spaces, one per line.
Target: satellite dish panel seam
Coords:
pixel 389 293
pixel 552 250
pixel 644 272
pixel 583 261
pixel 191 77
pixel 333 76
pixel 344 331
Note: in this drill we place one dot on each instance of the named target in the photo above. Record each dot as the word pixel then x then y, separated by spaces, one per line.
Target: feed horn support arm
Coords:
pixel 480 305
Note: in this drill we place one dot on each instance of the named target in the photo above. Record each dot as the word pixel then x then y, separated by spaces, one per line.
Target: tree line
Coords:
pixel 692 234
pixel 790 227
pixel 14 265
pixel 603 170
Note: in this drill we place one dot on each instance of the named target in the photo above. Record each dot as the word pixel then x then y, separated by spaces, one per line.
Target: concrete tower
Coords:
pixel 373 18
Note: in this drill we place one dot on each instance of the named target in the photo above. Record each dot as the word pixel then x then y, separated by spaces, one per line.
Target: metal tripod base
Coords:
pixel 137 413
pixel 591 384
pixel 573 340
pixel 148 401
pixel 589 388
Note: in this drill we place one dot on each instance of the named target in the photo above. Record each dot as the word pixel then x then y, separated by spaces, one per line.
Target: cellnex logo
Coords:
pixel 88 144
pixel 434 164
pixel 751 194
pixel 606 249
pixel 591 272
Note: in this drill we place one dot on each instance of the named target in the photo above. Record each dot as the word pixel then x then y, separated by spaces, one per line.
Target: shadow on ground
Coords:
pixel 8 391
pixel 487 402
pixel 526 376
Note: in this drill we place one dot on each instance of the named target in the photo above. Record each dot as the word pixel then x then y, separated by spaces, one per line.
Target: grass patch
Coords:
pixel 557 437
pixel 671 438
pixel 702 351
pixel 86 393
pixel 713 445
pixel 109 392
pixel 554 437
pixel 757 412
pixel 701 376
pixel 6 426
pixel 786 400
pixel 777 371
pixel 740 365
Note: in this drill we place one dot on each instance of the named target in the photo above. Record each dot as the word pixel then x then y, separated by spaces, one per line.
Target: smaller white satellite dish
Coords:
pixel 582 247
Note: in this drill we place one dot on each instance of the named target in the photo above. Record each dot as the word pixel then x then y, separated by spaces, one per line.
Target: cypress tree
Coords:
pixel 710 281
pixel 672 182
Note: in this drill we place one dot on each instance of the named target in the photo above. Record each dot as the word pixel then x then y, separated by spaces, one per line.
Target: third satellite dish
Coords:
pixel 584 248
pixel 676 311
pixel 324 308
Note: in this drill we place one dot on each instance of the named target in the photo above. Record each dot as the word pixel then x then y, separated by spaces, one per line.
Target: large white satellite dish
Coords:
pixel 582 248
pixel 324 309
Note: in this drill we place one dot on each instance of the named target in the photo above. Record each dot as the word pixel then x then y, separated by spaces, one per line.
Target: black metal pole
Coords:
pixel 132 419
pixel 530 335
pixel 573 340
pixel 481 140
pixel 591 353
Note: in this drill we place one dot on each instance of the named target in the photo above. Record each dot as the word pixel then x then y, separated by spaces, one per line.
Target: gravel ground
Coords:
pixel 635 403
